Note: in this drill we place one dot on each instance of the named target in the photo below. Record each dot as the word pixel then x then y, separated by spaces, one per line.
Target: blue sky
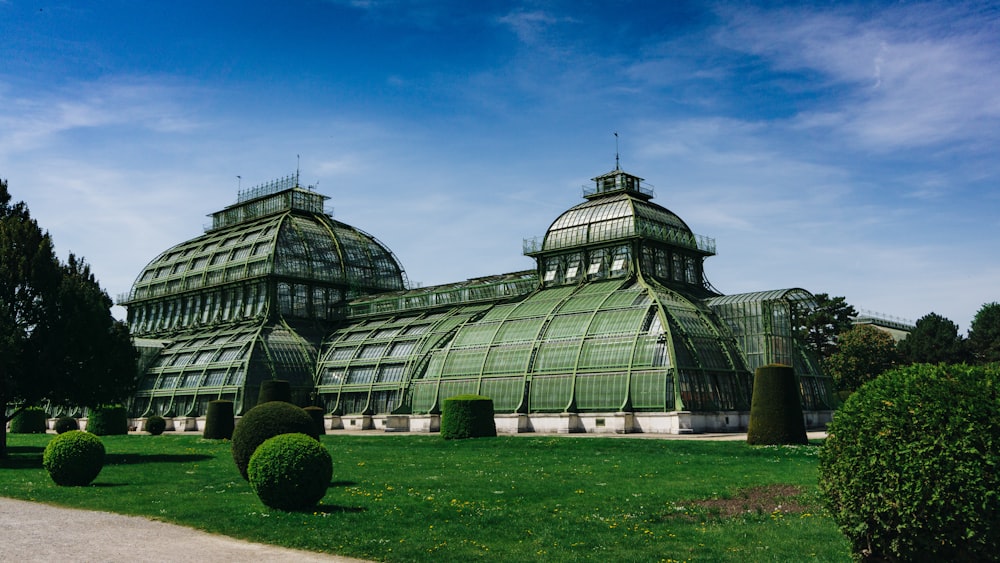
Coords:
pixel 848 148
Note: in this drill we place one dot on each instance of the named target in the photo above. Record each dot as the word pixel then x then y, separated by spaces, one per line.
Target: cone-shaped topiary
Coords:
pixel 776 409
pixel 318 415
pixel 290 472
pixel 31 420
pixel 74 458
pixel 155 425
pixel 266 421
pixel 66 423
pixel 219 420
pixel 108 421
pixel 467 416
pixel 274 390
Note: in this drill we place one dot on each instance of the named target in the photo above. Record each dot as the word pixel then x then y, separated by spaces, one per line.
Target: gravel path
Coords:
pixel 39 532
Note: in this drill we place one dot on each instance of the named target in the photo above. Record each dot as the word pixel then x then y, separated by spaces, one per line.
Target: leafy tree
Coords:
pixel 863 353
pixel 984 334
pixel 934 339
pixel 58 340
pixel 819 327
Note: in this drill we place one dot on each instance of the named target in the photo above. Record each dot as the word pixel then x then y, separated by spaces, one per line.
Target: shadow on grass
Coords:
pixel 23 457
pixel 342 483
pixel 136 459
pixel 336 509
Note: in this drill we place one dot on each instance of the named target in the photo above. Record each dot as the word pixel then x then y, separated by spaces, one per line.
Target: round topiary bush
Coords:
pixel 74 458
pixel 776 408
pixel 909 467
pixel 31 420
pixel 65 424
pixel 155 425
pixel 108 421
pixel 274 390
pixel 318 415
pixel 266 421
pixel 290 472
pixel 467 416
pixel 219 420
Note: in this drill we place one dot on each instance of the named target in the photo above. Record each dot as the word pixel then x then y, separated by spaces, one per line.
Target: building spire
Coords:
pixel 617 159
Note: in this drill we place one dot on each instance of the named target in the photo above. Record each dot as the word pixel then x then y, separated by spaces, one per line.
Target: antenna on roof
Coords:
pixel 239 183
pixel 617 160
pixel 297 170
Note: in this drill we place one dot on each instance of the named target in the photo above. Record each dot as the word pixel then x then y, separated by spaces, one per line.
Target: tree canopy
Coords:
pixel 58 340
pixel 863 353
pixel 984 334
pixel 933 340
pixel 819 327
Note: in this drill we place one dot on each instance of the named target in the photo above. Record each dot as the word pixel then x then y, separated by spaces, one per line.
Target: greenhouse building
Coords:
pixel 615 330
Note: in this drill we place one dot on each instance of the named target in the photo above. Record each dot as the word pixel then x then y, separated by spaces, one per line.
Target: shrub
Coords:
pixel 219 420
pixel 909 468
pixel 467 416
pixel 65 424
pixel 290 472
pixel 266 421
pixel 31 420
pixel 318 415
pixel 155 425
pixel 108 421
pixel 74 458
pixel 776 408
pixel 274 390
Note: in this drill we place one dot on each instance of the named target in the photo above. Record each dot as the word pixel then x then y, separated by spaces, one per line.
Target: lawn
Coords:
pixel 512 498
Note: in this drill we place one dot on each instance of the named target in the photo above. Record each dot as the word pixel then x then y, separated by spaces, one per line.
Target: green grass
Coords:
pixel 421 498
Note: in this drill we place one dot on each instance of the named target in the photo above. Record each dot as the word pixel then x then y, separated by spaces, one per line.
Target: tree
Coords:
pixel 934 339
pixel 58 340
pixel 819 327
pixel 984 334
pixel 863 353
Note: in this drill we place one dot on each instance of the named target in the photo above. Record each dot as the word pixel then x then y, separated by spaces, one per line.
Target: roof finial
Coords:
pixel 297 158
pixel 617 160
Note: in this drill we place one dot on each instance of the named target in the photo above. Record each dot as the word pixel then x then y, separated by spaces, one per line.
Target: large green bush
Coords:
pixel 266 421
pixel 911 468
pixel 31 420
pixel 776 408
pixel 65 424
pixel 290 472
pixel 467 416
pixel 274 390
pixel 74 458
pixel 155 425
pixel 108 421
pixel 219 420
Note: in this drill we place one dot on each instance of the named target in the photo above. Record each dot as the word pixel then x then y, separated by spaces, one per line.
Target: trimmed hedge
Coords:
pixel 65 424
pixel 155 425
pixel 909 470
pixel 467 416
pixel 318 415
pixel 267 421
pixel 290 472
pixel 219 421
pixel 32 420
pixel 274 390
pixel 74 458
pixel 108 421
pixel 776 408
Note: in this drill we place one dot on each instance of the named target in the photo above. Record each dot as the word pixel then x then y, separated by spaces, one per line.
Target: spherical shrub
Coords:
pixel 318 415
pixel 219 420
pixel 909 468
pixel 776 408
pixel 31 420
pixel 467 416
pixel 290 472
pixel 65 424
pixel 155 425
pixel 266 421
pixel 74 458
pixel 108 421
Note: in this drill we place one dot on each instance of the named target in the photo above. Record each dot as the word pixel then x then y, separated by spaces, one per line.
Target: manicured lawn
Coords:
pixel 520 498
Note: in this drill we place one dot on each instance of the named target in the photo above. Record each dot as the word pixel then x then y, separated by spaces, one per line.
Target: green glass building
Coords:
pixel 615 330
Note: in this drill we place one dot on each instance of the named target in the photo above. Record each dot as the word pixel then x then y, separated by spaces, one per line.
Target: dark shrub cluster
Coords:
pixel 467 416
pixel 290 472
pixel 274 390
pixel 74 458
pixel 909 470
pixel 776 408
pixel 318 415
pixel 219 420
pixel 108 421
pixel 65 424
pixel 266 421
pixel 155 425
pixel 31 420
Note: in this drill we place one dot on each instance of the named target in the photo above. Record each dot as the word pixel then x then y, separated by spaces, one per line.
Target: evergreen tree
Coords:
pixel 933 340
pixel 820 326
pixel 984 334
